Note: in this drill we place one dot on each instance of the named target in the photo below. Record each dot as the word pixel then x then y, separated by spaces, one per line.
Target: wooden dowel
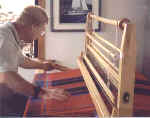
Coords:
pixel 100 80
pixel 103 57
pixel 100 106
pixel 104 20
pixel 100 45
pixel 106 42
pixel 120 23
pixel 101 61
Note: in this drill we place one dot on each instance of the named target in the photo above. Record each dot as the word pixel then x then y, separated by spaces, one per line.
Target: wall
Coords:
pixel 138 11
pixel 147 41
pixel 135 10
pixel 67 46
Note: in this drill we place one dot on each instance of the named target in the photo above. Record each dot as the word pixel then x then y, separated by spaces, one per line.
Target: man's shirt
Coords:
pixel 10 52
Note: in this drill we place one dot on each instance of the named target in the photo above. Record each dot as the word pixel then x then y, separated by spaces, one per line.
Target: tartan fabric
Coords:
pixel 80 104
pixel 141 96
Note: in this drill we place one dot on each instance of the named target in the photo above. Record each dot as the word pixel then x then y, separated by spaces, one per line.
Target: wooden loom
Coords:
pixel 124 93
pixel 119 94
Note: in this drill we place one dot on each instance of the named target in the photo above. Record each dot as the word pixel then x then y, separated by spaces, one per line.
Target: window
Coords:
pixel 9 11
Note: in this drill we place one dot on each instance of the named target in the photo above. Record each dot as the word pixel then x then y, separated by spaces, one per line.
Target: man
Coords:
pixel 28 27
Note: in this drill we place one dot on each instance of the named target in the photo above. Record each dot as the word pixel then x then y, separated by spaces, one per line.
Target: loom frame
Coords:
pixel 123 77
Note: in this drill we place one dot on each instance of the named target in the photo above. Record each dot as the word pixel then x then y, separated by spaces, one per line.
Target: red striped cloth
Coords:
pixel 80 104
pixel 142 96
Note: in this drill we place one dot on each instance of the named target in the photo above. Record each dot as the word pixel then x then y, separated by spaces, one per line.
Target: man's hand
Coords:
pixel 52 64
pixel 48 65
pixel 57 94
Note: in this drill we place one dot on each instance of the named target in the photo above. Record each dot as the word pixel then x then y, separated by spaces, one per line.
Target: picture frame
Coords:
pixel 70 15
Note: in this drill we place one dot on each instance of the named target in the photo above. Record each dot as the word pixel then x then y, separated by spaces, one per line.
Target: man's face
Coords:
pixel 38 31
pixel 34 33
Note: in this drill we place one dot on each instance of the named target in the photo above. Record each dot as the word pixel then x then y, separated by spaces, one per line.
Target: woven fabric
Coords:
pixel 141 96
pixel 79 104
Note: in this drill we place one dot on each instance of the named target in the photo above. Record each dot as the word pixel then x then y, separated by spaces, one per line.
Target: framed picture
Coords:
pixel 70 15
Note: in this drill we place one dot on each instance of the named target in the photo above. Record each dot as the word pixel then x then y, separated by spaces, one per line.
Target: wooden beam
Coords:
pixel 41 40
pixel 100 45
pixel 105 41
pixel 101 108
pixel 104 20
pixel 100 80
pixel 127 68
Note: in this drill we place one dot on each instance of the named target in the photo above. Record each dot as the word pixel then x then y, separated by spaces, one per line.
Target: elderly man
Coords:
pixel 28 27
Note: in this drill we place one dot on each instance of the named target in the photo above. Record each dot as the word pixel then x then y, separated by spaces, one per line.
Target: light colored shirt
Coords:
pixel 10 52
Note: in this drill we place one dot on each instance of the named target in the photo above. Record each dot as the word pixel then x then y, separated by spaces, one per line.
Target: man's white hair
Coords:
pixel 33 15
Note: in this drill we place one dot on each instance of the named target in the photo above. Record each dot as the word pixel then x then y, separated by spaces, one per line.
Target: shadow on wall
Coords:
pixel 146 62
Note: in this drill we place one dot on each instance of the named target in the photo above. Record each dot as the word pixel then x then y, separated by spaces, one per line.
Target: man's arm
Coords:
pixel 18 84
pixel 15 82
pixel 34 64
pixel 41 64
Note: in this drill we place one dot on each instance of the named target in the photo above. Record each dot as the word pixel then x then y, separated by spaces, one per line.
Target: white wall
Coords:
pixel 147 41
pixel 64 47
pixel 135 10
